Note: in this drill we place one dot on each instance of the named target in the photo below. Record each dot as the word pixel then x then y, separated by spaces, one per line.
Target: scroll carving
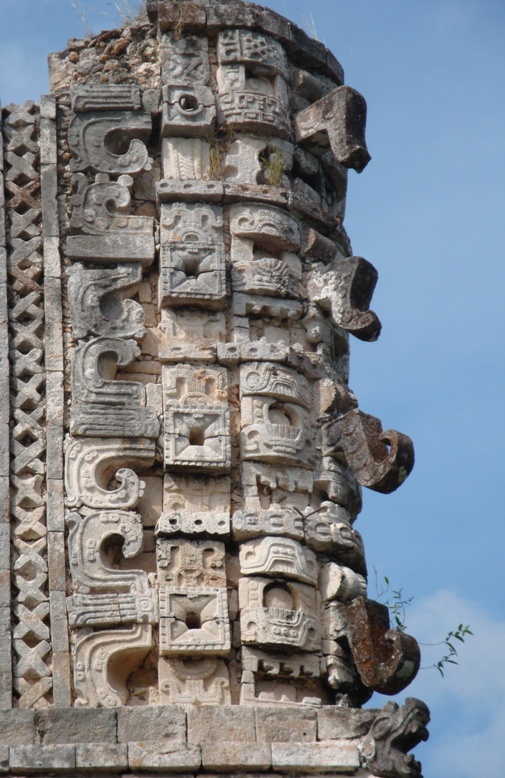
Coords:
pixel 103 406
pixel 98 301
pixel 108 234
pixel 95 141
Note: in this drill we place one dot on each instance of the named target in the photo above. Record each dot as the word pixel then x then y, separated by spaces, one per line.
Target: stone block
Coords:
pixel 236 756
pixel 52 259
pixel 335 723
pixel 56 561
pixel 55 506
pixel 17 727
pixel 336 756
pixel 4 759
pixel 170 757
pixel 164 723
pixel 62 682
pixel 49 186
pixel 76 726
pixel 54 437
pixel 225 723
pixel 59 624
pixel 98 757
pixel 4 500
pixel 286 725
pixel 5 658
pixel 34 759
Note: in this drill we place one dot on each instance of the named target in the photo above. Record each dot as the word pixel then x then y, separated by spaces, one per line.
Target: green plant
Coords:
pixel 215 162
pixel 273 166
pixel 397 605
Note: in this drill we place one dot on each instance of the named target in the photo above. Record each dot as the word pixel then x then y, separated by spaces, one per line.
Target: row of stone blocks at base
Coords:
pixel 187 740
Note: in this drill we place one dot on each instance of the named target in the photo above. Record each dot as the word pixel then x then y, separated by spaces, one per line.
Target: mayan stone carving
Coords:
pixel 182 459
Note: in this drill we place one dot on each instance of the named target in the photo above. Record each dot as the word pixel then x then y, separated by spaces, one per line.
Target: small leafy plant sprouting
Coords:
pixel 397 605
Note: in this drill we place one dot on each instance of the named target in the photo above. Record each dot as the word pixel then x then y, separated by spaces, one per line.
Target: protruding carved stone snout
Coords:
pixel 337 120
pixel 379 460
pixel 387 660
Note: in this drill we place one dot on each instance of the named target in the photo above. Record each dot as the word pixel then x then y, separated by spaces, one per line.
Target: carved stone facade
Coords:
pixel 182 457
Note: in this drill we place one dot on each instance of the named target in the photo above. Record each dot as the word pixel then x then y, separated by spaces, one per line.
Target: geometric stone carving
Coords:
pixel 345 288
pixel 87 538
pixel 103 406
pixel 90 465
pixel 272 380
pixel 104 660
pixel 278 557
pixel 185 59
pixel 340 583
pixel 98 304
pixel 107 233
pixel 255 523
pixel 190 562
pixel 280 678
pixel 106 97
pixel 263 223
pixel 100 610
pixel 274 431
pixel 195 506
pixel 279 614
pixel 337 121
pixel 96 139
pixel 194 620
pixel 197 426
pixel 251 82
pixel 379 460
pixel 190 334
pixel 395 731
pixel 193 681
pixel 328 530
pixel 188 111
pixel 185 160
pixel 192 256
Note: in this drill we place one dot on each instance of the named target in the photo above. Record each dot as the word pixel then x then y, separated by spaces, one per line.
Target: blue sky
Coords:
pixel 428 213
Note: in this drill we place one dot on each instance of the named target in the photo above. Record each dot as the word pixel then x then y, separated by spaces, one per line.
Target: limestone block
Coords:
pixel 185 159
pixel 340 583
pixel 100 757
pixel 190 334
pixel 334 723
pixel 195 506
pixel 4 759
pixel 193 620
pixel 286 726
pixel 95 683
pixel 102 405
pixel 236 756
pixel 279 614
pixel 192 256
pixel 95 142
pixel 253 161
pixel 197 427
pixel 101 610
pixel 252 49
pixel 150 504
pixel 340 485
pixel 339 756
pixel 33 759
pixel 87 539
pixel 76 726
pixel 275 431
pixel 266 486
pixel 278 679
pixel 169 757
pixel 316 247
pixel 170 190
pixel 190 562
pixel 17 727
pixel 194 681
pixel 278 557
pixel 105 97
pixel 184 59
pixel 92 462
pixel 49 202
pixel 188 111
pixel 98 301
pixel 106 233
pixel 329 530
pixel 248 524
pixel 156 723
pixel 223 724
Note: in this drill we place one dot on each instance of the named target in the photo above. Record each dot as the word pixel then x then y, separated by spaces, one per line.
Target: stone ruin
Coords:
pixel 182 587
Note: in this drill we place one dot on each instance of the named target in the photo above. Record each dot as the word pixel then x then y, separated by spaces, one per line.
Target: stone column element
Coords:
pixel 186 455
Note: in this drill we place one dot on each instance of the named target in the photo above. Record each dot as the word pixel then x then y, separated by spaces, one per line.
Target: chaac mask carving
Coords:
pixel 197 453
